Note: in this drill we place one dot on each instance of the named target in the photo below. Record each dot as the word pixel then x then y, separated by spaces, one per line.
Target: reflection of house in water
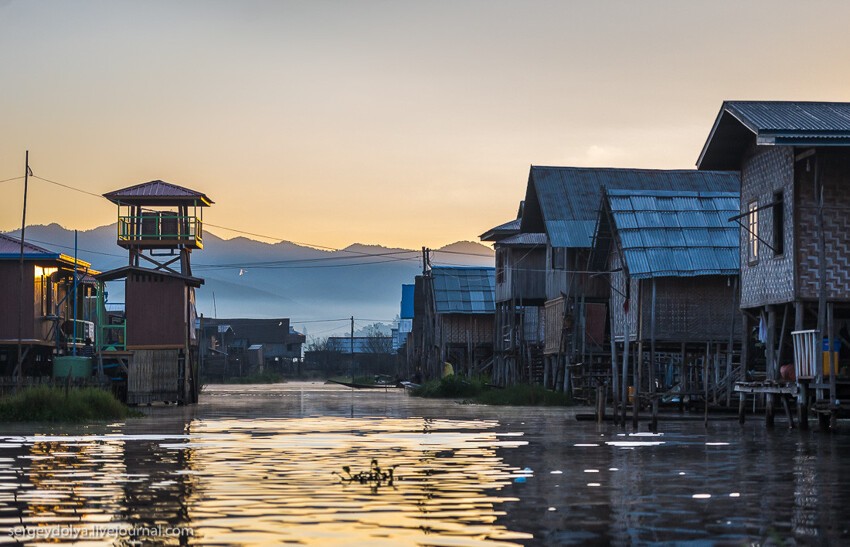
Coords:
pixel 125 479
pixel 159 224
pixel 236 347
pixel 47 316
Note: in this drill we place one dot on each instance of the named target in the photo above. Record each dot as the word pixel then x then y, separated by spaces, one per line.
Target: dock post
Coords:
pixel 768 409
pixel 742 398
pixel 600 404
pixel 788 414
pixel 803 405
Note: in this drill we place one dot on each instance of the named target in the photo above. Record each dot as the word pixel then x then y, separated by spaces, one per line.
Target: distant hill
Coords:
pixel 252 279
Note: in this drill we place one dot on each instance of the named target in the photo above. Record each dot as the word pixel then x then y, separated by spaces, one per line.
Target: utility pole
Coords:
pixel 19 372
pixel 351 343
pixel 426 260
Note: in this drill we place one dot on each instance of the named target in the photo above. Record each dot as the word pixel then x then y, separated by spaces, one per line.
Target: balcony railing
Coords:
pixel 160 229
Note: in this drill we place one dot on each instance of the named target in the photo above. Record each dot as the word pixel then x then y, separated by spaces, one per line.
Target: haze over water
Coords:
pixel 258 465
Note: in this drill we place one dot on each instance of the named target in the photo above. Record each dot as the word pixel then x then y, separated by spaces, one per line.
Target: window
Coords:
pixel 559 258
pixel 778 224
pixel 753 232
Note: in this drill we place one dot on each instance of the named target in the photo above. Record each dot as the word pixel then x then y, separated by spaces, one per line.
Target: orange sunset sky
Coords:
pixel 386 122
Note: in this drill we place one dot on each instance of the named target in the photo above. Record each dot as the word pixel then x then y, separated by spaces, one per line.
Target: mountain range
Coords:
pixel 252 279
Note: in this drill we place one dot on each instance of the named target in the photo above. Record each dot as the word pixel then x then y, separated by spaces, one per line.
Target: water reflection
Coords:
pixel 259 466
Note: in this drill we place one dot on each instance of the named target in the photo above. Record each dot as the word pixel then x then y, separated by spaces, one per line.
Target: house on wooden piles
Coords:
pixel 159 224
pixel 563 203
pixel 520 295
pixel 45 324
pixel 794 162
pixel 453 319
pixel 672 258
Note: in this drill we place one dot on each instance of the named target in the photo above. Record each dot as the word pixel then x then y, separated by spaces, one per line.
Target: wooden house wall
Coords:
pixel 834 169
pixel 10 299
pixel 524 278
pixel 770 280
pixel 156 311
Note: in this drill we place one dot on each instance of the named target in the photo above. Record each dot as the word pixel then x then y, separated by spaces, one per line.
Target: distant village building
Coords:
pixel 46 321
pixel 405 321
pixel 237 347
pixel 453 319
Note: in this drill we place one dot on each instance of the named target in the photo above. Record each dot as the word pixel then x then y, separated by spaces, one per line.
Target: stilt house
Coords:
pixel 563 203
pixel 794 161
pixel 45 324
pixel 520 294
pixel 672 258
pixel 159 224
pixel 453 319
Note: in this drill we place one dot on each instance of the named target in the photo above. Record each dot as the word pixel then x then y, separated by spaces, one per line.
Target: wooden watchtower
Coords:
pixel 160 224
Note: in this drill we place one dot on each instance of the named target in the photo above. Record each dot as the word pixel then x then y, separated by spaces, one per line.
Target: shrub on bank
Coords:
pixel 53 404
pixel 476 390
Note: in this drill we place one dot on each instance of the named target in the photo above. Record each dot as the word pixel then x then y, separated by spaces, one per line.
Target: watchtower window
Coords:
pixel 753 232
pixel 778 224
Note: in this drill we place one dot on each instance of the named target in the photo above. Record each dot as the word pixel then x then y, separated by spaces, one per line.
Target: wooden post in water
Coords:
pixel 770 346
pixel 833 368
pixel 653 424
pixel 615 370
pixel 705 379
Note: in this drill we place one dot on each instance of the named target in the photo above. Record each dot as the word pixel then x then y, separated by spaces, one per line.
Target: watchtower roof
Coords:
pixel 157 192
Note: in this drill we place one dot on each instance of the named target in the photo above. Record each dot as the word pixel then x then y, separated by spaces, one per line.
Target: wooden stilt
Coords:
pixel 742 399
pixel 788 414
pixel 803 405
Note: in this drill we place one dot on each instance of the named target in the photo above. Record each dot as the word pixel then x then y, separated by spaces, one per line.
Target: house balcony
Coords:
pixel 160 230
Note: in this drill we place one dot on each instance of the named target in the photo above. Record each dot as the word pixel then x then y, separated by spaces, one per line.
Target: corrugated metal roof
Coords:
pixel 464 290
pixel 501 231
pixel 821 118
pixel 524 239
pixel 10 248
pixel 156 190
pixel 675 233
pixel 788 123
pixel 565 200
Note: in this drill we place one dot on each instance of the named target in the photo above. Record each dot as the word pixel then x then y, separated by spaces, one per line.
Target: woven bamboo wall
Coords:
pixel 770 280
pixel 465 328
pixel 835 174
pixel 153 376
pixel 688 309
pixel 552 324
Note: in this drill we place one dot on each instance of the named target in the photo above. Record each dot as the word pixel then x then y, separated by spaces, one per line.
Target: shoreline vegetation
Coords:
pixel 478 391
pixel 55 404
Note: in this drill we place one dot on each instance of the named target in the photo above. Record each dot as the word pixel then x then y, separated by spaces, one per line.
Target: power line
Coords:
pixel 68 186
pixel 13 178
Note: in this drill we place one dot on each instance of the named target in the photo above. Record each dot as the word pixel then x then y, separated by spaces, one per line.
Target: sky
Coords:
pixel 404 124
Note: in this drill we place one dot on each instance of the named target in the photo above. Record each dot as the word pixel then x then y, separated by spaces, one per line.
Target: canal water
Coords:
pixel 314 464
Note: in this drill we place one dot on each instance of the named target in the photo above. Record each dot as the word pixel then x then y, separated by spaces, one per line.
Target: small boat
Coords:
pixel 377 385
